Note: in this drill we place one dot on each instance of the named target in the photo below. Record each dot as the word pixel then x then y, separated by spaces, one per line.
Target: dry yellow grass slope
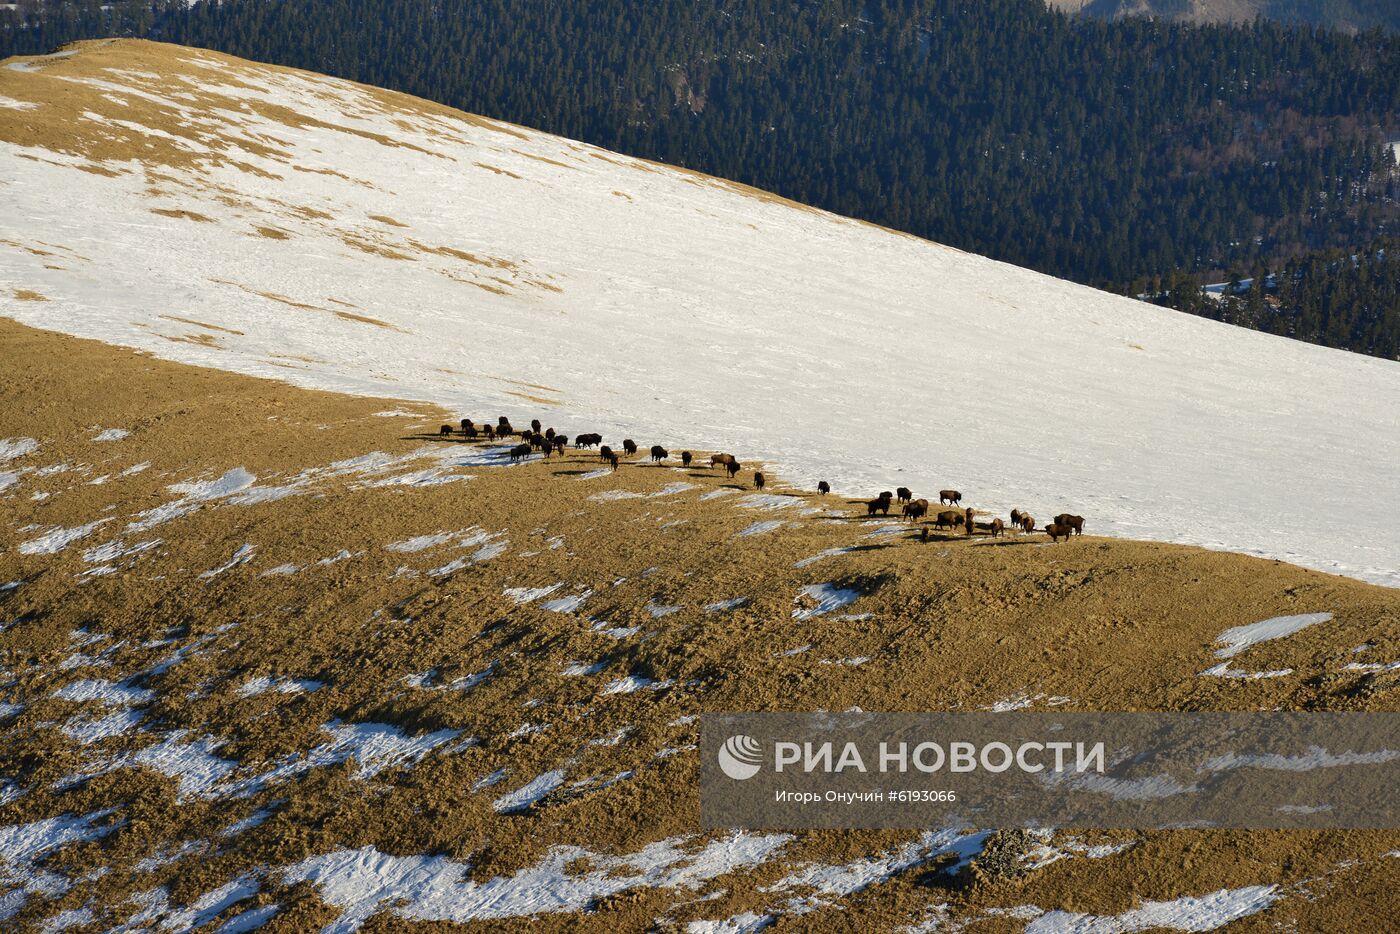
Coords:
pixel 377 582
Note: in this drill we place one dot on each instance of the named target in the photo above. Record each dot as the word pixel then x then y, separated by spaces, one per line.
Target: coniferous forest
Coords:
pixel 1140 156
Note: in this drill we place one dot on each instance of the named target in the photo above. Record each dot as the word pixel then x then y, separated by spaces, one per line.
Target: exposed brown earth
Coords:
pixel 955 623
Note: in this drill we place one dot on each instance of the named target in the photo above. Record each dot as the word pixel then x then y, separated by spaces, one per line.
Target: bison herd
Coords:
pixel 549 442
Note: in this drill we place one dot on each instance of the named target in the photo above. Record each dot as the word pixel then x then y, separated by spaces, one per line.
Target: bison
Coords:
pixel 519 451
pixel 629 446
pixel 605 453
pixel 720 459
pixel 1016 515
pixel 1027 523
pixel 444 431
pixel 823 487
pixel 489 432
pixel 612 460
pixel 1072 521
pixel 758 480
pixel 470 432
pixel 916 509
pixel 1057 530
pixel 878 504
pixel 886 495
pixel 559 444
pixel 685 458
pixel 733 467
pixel 923 534
pixel 949 497
pixel 658 453
pixel 535 425
pixel 968 525
pixel 948 519
pixel 467 423
pixel 905 496
pixel 997 527
pixel 588 440
pixel 549 433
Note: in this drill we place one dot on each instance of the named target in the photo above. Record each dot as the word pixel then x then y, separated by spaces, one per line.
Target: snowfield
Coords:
pixel 297 227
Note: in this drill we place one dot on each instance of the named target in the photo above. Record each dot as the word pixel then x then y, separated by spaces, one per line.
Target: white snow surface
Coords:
pixel 1151 423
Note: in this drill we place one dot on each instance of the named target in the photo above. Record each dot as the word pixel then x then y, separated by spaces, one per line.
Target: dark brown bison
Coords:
pixel 923 534
pixel 1057 530
pixel 605 453
pixel 878 504
pixel 549 433
pixel 1016 515
pixel 535 425
pixel 629 446
pixel 469 432
pixel 968 525
pixel 612 460
pixel 489 432
pixel 720 459
pixel 1027 523
pixel 467 423
pixel 885 495
pixel 685 458
pixel 949 497
pixel 658 453
pixel 904 494
pixel 547 448
pixel 948 519
pixel 559 444
pixel 823 487
pixel 588 440
pixel 758 480
pixel 1072 521
pixel 997 527
pixel 503 426
pixel 519 451
pixel 444 431
pixel 733 467
pixel 916 509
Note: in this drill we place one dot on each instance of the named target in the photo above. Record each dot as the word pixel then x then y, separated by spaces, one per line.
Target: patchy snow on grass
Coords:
pixel 759 528
pixel 530 594
pixel 243 555
pixel 12 448
pixel 114 550
pixel 566 604
pixel 580 669
pixel 263 683
pixel 528 794
pixel 112 694
pixel 820 556
pixel 658 610
pixel 88 730
pixel 364 882
pixel 1242 637
pixel 819 599
pixel 57 539
pixel 722 606
pixel 111 434
pixel 1223 670
pixel 1188 913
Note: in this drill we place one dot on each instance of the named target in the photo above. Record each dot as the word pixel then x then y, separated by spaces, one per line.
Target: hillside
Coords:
pixel 1349 15
pixel 276 223
pixel 283 659
pixel 1102 151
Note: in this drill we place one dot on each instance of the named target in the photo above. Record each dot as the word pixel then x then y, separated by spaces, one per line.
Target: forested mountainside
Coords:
pixel 1333 14
pixel 1104 152
pixel 1331 297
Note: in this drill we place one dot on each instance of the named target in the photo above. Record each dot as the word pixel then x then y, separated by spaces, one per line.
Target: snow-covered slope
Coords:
pixel 272 222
